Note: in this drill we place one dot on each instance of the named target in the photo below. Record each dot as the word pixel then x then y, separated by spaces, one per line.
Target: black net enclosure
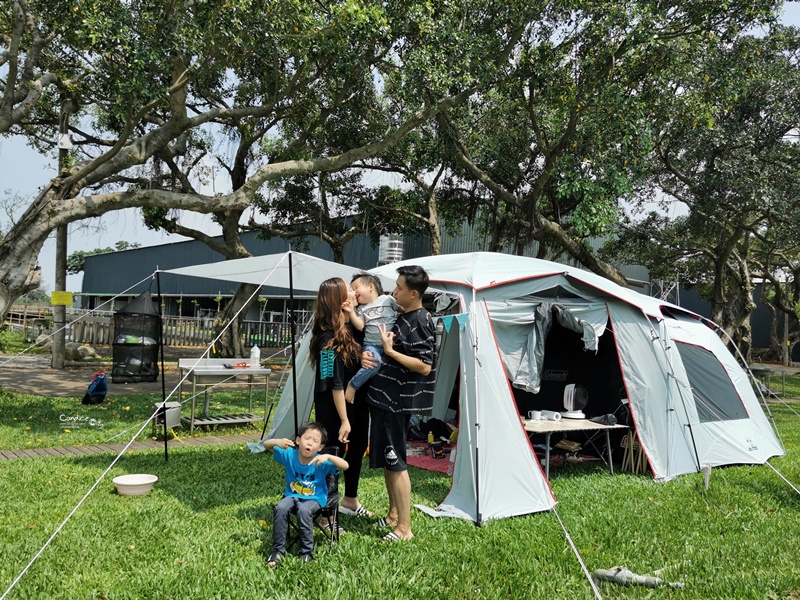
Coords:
pixel 136 339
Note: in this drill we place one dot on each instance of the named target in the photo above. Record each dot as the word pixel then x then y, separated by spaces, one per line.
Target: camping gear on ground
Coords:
pixel 568 445
pixel 97 390
pixel 137 330
pixel 436 449
pixel 633 459
pixel 173 414
pixel 626 577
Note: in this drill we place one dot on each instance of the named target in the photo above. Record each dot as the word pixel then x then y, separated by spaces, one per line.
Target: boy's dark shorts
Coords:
pixel 387 439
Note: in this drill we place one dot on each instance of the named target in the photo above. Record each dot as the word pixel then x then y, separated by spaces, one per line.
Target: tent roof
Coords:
pixel 273 269
pixel 484 270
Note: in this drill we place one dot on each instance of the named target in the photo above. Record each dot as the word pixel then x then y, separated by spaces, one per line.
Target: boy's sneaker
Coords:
pixel 306 558
pixel 274 559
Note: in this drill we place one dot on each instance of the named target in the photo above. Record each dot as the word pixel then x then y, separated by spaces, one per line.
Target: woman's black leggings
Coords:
pixel 358 415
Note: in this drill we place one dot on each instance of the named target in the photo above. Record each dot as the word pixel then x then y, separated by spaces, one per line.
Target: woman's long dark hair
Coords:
pixel 328 317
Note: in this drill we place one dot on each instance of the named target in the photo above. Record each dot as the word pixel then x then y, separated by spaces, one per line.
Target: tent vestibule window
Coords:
pixel 715 395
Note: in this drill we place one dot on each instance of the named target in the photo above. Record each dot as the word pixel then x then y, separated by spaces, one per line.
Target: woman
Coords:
pixel 335 354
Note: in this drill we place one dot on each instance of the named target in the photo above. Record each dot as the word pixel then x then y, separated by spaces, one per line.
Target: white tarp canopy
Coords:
pixel 292 271
pixel 307 271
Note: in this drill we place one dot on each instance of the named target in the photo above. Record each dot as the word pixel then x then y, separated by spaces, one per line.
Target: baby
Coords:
pixel 374 309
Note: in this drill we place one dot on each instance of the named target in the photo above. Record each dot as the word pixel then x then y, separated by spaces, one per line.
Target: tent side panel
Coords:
pixel 510 479
pixel 653 392
pixel 446 367
pixel 283 422
pixel 746 440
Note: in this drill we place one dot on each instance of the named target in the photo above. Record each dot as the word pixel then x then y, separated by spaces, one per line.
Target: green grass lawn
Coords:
pixel 792 385
pixel 29 421
pixel 205 532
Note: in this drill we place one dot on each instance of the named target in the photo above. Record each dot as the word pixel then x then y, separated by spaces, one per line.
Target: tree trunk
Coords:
pixel 433 224
pixel 231 344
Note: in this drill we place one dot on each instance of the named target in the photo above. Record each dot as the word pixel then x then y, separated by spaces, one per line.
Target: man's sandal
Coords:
pixel 384 522
pixel 274 559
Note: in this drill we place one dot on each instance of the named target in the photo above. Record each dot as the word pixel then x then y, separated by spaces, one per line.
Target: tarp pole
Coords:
pixel 473 319
pixel 294 348
pixel 163 380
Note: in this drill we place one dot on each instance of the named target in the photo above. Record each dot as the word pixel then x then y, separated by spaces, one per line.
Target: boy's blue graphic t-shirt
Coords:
pixel 304 481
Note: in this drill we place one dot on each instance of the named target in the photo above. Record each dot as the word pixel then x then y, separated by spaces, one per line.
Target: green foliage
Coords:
pixel 77 260
pixel 13 342
pixel 724 155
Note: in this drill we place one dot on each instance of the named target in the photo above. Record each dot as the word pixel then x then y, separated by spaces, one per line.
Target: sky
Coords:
pixel 23 171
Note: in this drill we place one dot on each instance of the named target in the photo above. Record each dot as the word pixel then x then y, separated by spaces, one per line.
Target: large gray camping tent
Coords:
pixel 525 328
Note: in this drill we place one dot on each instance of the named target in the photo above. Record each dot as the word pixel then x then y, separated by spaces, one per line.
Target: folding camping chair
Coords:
pixel 330 511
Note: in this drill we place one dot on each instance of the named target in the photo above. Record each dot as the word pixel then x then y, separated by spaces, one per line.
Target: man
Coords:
pixel 403 386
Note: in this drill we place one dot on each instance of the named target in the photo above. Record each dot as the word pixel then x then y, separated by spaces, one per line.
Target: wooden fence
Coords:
pixel 97 328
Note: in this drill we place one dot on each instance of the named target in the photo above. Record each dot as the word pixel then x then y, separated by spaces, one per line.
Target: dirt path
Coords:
pixel 31 374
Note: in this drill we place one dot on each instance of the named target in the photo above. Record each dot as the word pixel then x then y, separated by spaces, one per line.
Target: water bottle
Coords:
pixel 255 356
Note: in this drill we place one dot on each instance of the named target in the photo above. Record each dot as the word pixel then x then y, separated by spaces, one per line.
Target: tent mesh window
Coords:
pixel 714 394
pixel 136 339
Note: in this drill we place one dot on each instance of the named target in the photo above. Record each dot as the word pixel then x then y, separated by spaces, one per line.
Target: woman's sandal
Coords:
pixel 393 537
pixel 358 512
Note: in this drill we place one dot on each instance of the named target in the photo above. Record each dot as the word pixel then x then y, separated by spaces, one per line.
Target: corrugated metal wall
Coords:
pixel 116 272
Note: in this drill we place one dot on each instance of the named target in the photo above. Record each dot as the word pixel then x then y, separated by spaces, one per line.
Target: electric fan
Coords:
pixel 575 399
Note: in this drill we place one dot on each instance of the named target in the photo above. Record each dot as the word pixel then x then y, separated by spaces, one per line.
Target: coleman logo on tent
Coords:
pixel 554 375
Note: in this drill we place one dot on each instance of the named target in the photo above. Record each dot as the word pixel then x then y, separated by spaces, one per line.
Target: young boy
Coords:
pixel 373 310
pixel 306 487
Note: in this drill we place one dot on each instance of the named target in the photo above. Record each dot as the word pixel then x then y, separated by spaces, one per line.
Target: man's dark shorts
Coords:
pixel 387 439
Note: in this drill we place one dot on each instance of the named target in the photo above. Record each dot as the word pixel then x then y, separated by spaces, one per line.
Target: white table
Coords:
pixel 549 427
pixel 211 371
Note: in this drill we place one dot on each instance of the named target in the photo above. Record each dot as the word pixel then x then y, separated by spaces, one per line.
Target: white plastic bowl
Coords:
pixel 134 485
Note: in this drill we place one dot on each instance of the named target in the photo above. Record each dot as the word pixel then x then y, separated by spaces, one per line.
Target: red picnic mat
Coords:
pixel 426 461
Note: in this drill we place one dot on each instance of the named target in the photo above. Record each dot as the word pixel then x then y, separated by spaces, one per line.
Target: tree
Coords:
pixel 558 141
pixel 722 151
pixel 23 63
pixel 147 87
pixel 77 260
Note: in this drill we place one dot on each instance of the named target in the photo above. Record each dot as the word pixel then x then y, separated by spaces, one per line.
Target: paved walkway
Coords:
pixel 72 451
